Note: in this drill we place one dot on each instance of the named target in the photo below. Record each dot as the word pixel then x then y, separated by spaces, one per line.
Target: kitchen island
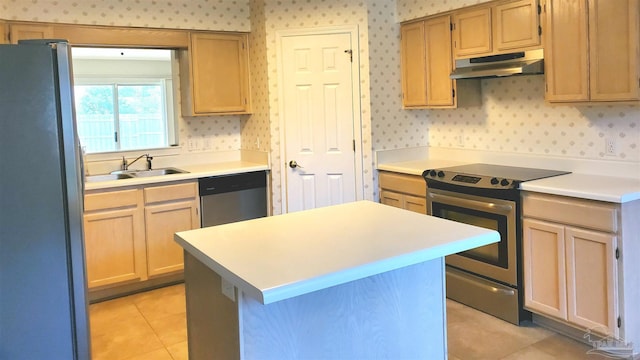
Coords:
pixel 358 280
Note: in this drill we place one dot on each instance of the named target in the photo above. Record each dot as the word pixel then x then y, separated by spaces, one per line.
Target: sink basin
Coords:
pixel 107 177
pixel 153 172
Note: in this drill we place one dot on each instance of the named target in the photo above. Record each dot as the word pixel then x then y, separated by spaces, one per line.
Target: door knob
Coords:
pixel 293 164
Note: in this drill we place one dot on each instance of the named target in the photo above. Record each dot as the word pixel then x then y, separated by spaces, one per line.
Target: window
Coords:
pixel 123 99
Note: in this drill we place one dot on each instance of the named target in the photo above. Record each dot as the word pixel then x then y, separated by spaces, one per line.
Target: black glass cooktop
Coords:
pixel 519 174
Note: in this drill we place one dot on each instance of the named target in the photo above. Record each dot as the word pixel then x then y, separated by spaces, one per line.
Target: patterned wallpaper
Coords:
pixel 224 15
pixel 513 117
pixel 212 133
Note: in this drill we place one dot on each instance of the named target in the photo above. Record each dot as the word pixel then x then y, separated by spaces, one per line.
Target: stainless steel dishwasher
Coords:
pixel 231 198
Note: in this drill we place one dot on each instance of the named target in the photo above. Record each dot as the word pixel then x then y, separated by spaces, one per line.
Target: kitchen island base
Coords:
pixel 399 314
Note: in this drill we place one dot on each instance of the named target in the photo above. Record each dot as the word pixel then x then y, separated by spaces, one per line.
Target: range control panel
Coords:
pixel 487 182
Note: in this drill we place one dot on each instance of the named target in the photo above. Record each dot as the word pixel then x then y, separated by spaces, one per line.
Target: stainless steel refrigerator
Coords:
pixel 43 306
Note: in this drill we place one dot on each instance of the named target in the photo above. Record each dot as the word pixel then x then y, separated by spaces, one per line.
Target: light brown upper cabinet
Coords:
pixel 426 64
pixel 29 31
pixel 472 33
pixel 4 32
pixel 501 28
pixel 592 51
pixel 517 25
pixel 440 88
pixel 413 62
pixel 218 75
pixel 566 51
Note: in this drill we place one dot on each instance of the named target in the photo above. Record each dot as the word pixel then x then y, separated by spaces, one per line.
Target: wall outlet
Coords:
pixel 206 144
pixel 610 147
pixel 192 145
pixel 461 138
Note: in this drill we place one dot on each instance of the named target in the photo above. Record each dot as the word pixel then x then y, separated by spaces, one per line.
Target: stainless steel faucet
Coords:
pixel 125 164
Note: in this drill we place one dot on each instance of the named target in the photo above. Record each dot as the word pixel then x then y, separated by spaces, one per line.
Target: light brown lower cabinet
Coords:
pixel 129 233
pixel 403 191
pixel 570 261
pixel 114 238
pixel 168 209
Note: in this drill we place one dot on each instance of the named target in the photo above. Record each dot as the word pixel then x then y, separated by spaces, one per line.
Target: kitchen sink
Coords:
pixel 107 177
pixel 152 172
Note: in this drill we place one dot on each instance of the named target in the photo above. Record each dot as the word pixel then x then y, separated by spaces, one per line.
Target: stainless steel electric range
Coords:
pixel 488 278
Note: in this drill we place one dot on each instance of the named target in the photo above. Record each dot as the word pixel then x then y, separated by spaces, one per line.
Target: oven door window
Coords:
pixel 494 254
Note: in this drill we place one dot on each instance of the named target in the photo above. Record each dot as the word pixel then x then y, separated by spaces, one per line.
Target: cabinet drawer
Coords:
pixel 170 192
pixel 111 199
pixel 408 184
pixel 571 211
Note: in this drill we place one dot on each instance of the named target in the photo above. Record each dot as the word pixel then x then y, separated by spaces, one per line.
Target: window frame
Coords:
pixel 167 96
pixel 170 97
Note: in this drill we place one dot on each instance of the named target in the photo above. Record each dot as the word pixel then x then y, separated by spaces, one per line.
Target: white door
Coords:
pixel 318 117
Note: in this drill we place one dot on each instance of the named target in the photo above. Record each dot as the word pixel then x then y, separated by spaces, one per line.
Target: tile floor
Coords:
pixel 146 326
pixel 152 326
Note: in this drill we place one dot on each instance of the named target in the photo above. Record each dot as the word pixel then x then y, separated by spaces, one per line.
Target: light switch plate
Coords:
pixel 228 290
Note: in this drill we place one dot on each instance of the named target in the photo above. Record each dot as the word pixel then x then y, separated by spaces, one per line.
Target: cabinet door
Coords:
pixel 4 32
pixel 566 64
pixel 415 204
pixel 414 82
pixel 164 255
pixel 517 25
pixel 472 33
pixel 219 73
pixel 439 62
pixel 114 247
pixel 391 198
pixel 29 31
pixel 592 280
pixel 614 49
pixel 544 268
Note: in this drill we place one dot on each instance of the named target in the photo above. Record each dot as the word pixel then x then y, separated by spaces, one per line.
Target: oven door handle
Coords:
pixel 488 206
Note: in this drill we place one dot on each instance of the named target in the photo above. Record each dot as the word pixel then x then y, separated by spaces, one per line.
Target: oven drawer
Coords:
pixel 571 211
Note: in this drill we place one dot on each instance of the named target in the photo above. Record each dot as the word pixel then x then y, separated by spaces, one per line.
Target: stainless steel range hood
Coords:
pixel 519 63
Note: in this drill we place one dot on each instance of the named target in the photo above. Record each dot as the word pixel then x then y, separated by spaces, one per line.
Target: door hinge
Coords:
pixel 539 30
pixel 354 145
pixel 115 136
pixel 617 253
pixel 619 321
pixel 453 92
pixel 451 26
pixel 350 52
pixel 539 9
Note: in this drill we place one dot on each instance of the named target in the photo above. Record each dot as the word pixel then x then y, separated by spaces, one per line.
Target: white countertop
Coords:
pixel 593 187
pixel 284 256
pixel 579 185
pixel 194 172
